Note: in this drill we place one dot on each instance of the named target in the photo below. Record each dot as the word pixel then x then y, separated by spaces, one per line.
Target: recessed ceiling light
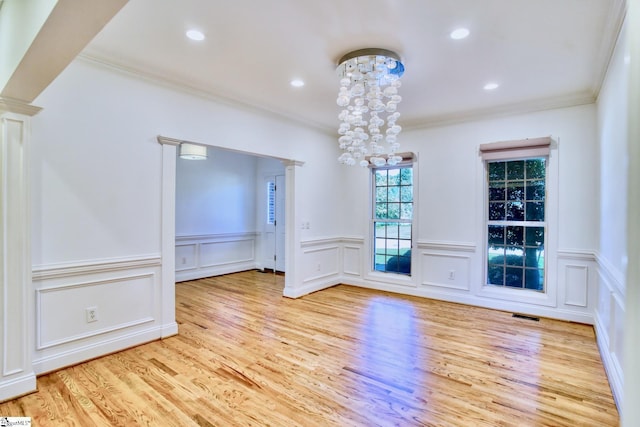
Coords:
pixel 491 86
pixel 195 35
pixel 459 33
pixel 297 83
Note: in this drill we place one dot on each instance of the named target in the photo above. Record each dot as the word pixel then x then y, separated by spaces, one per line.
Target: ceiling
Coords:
pixel 543 53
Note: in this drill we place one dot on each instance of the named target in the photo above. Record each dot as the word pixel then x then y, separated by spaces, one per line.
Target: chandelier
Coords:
pixel 369 82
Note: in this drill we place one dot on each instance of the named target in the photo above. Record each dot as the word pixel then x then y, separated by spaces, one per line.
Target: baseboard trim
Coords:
pixel 511 306
pixel 298 292
pixel 613 370
pixel 91 351
pixel 16 387
pixel 201 273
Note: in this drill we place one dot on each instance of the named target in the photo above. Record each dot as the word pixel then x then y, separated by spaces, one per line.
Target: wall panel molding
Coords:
pixel 609 321
pixel 48 310
pixel 206 255
pixel 64 292
pixel 436 269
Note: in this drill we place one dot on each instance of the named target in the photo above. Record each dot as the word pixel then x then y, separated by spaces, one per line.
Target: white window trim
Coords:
pixel 525 296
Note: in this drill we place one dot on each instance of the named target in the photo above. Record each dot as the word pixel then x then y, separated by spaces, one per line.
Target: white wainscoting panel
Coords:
pixel 609 325
pixel 445 264
pixel 199 256
pixel 61 310
pixel 577 285
pixel 186 256
pixel 352 260
pixel 445 270
pixel 320 261
pixel 127 297
pixel 577 281
pixel 319 266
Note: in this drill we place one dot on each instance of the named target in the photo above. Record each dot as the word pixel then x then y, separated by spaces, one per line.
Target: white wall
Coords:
pixel 612 135
pixel 97 185
pixel 217 195
pixel 450 211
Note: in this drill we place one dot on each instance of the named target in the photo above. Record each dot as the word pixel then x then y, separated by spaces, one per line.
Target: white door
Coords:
pixel 280 222
pixel 274 229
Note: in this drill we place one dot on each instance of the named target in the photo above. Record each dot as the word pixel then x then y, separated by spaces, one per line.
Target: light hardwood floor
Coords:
pixel 340 357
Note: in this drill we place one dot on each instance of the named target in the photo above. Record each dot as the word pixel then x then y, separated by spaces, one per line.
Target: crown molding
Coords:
pixel 611 35
pixel 10 105
pixel 566 101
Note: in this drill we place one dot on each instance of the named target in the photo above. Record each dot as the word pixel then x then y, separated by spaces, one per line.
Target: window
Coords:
pixel 271 203
pixel 516 196
pixel 392 219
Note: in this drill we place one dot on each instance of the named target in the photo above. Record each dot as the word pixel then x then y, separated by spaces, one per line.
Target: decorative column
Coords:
pixel 168 237
pixel 16 293
pixel 292 242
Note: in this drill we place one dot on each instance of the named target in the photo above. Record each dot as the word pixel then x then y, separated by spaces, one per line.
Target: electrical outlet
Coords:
pixel 452 274
pixel 319 267
pixel 92 314
pixel 184 260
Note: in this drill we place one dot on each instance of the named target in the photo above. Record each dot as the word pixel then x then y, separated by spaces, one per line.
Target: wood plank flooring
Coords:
pixel 246 356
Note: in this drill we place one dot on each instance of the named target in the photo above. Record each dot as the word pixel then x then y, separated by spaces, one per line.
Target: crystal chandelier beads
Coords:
pixel 369 82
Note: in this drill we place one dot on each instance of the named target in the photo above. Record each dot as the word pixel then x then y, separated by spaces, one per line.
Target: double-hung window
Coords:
pixel 515 217
pixel 392 219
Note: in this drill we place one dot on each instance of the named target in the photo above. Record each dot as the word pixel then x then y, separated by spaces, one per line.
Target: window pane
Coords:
pixel 496 191
pixel 392 230
pixel 515 211
pixel 406 176
pixel 496 255
pixel 496 235
pixel 393 210
pixel 496 171
pixel 406 194
pixel 495 275
pixel 534 236
pixel 381 194
pixel 514 256
pixel 394 176
pixel 381 210
pixel 380 230
pixel 406 210
pixel 515 170
pixel 513 277
pixel 535 211
pixel 496 211
pixel 405 231
pixel 394 194
pixel 534 279
pixel 535 168
pixel 515 236
pixel 381 177
pixel 534 257
pixel 515 190
pixel 535 190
